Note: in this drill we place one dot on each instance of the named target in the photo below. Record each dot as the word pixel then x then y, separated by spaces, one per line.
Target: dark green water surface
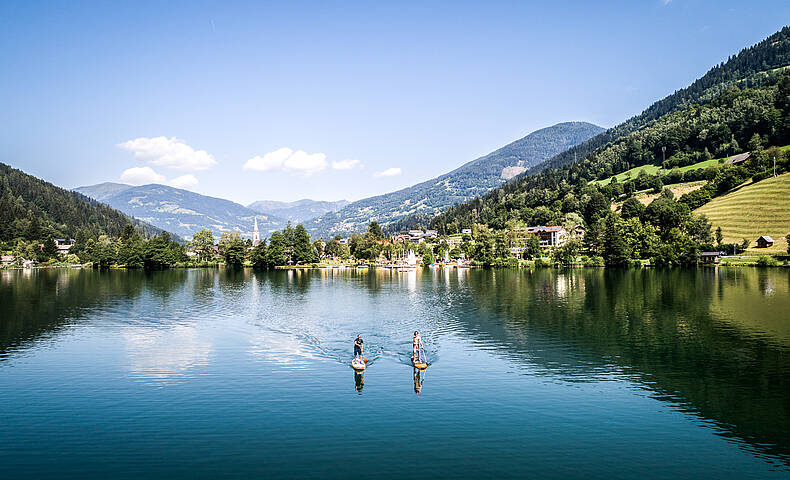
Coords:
pixel 544 374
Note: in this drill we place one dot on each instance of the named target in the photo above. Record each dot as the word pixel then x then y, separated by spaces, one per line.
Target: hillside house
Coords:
pixel 549 237
pixel 740 158
pixel 466 231
pixel 764 241
pixel 6 259
pixel 64 245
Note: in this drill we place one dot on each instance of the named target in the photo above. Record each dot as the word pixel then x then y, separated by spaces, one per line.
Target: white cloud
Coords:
pixel 169 152
pixel 141 176
pixel 288 160
pixel 184 181
pixel 390 172
pixel 306 163
pixel 147 175
pixel 346 164
pixel 271 161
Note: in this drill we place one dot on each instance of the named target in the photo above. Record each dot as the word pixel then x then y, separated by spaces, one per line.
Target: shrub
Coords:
pixel 540 263
pixel 766 261
pixel 594 261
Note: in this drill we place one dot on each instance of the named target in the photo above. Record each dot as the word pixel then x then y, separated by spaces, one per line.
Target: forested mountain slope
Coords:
pixel 752 66
pixel 33 209
pixel 735 120
pixel 469 180
pixel 181 211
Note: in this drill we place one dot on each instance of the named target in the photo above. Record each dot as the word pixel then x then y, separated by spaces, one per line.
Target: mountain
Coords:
pixel 34 209
pixel 465 182
pixel 103 191
pixel 728 118
pixel 297 211
pixel 751 66
pixel 181 211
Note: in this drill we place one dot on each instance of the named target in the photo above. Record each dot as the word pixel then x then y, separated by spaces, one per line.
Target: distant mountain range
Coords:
pixel 465 182
pixel 186 213
pixel 181 211
pixel 297 211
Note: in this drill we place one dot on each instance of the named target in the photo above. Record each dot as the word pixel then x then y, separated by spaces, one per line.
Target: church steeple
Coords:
pixel 256 236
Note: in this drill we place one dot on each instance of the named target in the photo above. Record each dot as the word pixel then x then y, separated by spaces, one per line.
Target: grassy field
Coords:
pixel 762 208
pixel 653 169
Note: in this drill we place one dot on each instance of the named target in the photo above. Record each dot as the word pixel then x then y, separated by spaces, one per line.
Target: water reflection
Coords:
pixel 419 377
pixel 359 381
pixel 714 343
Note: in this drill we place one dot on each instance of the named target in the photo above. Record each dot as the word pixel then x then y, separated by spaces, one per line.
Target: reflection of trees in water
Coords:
pixel 659 325
pixel 43 301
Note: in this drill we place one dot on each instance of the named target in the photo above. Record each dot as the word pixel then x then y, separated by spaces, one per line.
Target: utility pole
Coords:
pixel 774 165
pixel 663 155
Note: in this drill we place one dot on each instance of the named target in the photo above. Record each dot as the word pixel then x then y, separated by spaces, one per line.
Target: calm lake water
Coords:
pixel 551 373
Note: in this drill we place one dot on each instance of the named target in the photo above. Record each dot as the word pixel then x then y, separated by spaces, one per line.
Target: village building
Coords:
pixel 764 241
pixel 64 245
pixel 549 237
pixel 256 235
pixel 431 233
pixel 466 231
pixel 710 258
pixel 6 259
pixel 401 238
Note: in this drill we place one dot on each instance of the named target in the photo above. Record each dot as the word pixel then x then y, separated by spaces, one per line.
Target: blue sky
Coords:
pixel 330 100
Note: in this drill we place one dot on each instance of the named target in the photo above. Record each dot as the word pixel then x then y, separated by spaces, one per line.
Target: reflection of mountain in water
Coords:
pixel 675 331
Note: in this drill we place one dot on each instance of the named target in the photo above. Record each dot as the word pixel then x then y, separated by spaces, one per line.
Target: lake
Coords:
pixel 549 373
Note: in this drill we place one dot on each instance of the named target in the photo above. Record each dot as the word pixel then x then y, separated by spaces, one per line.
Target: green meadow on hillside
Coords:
pixel 752 210
pixel 654 169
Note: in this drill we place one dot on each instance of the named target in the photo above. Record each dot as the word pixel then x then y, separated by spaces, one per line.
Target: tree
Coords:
pixel 501 249
pixel 367 248
pixel 375 230
pixel 787 240
pixel 158 253
pixel 233 249
pixel 103 252
pixel 303 251
pixel 615 250
pixel 597 207
pixel 276 251
pixel 566 254
pixel 632 208
pixel 49 249
pixel 531 247
pixel 719 236
pixel 259 256
pixel 130 248
pixel 203 244
pixel 319 247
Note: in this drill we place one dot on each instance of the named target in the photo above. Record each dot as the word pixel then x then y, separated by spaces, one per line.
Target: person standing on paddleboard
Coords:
pixel 358 348
pixel 416 345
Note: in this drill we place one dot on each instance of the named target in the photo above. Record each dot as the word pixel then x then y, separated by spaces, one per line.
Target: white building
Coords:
pixel 256 235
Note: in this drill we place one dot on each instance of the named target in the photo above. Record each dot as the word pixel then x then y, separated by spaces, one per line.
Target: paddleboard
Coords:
pixel 357 365
pixel 420 365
